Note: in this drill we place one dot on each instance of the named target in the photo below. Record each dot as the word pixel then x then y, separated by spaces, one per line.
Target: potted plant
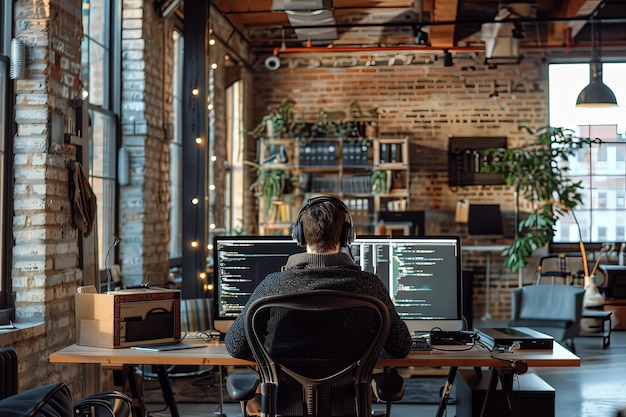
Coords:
pixel 538 172
pixel 276 121
pixel 270 184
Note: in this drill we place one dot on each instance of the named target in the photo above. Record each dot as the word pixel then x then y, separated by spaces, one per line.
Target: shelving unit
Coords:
pixel 340 167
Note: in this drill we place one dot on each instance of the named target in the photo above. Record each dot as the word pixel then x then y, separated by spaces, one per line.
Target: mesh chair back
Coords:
pixel 316 351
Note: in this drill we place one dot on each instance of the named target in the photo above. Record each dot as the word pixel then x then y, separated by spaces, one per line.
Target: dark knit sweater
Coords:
pixel 308 271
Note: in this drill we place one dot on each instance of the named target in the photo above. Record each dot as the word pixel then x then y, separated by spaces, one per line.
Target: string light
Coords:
pixel 213 158
pixel 198 140
pixel 194 201
pixel 195 91
pixel 212 187
pixel 202 275
pixel 214 66
pixel 211 41
pixel 195 243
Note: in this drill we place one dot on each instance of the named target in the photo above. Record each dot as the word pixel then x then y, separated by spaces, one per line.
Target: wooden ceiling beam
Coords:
pixel 563 32
pixel 442 36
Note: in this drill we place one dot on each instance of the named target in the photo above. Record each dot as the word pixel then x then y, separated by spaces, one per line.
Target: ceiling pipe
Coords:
pixel 424 48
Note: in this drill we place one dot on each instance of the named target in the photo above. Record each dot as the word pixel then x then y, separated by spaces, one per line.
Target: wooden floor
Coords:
pixel 596 389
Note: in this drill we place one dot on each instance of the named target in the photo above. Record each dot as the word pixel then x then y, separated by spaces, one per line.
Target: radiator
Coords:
pixel 8 372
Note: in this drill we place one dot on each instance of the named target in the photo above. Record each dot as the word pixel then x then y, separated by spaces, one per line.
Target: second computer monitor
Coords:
pixel 422 274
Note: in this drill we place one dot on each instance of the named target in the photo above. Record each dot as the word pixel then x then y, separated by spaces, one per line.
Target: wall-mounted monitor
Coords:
pixel 485 220
pixel 410 222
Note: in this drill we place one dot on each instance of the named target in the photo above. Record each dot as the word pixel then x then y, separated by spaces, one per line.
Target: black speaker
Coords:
pixel 347 232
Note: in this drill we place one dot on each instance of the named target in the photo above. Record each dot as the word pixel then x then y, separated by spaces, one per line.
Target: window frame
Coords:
pixel 6 189
pixel 596 161
pixel 110 109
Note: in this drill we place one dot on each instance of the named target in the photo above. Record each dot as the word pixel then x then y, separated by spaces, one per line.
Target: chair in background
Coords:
pixel 553 309
pixel 560 268
pixel 316 351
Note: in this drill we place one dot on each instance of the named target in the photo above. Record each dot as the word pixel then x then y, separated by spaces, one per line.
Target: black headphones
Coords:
pixel 347 233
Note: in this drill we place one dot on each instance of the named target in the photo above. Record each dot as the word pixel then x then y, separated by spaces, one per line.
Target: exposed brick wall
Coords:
pixel 45 253
pixel 146 107
pixel 429 103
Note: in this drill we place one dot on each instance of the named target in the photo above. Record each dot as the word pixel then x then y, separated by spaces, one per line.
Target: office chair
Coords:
pixel 554 309
pixel 316 351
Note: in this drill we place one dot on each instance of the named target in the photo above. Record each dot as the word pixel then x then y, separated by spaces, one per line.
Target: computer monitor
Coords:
pixel 422 274
pixel 240 264
pixel 413 219
pixel 484 220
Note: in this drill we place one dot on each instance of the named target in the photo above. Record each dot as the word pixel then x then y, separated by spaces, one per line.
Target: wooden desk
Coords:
pixel 216 354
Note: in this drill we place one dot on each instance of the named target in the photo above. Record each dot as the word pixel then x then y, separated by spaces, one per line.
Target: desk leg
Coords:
pixel 491 388
pixel 505 376
pixel 128 374
pixel 166 388
pixel 487 315
pixel 219 411
pixel 445 393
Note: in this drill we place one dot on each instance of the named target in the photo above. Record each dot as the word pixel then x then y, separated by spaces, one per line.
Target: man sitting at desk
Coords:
pixel 324 226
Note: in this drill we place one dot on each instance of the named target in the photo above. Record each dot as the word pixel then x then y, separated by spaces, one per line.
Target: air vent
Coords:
pixel 313 15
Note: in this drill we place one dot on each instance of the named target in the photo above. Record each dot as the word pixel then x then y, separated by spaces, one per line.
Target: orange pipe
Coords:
pixel 348 49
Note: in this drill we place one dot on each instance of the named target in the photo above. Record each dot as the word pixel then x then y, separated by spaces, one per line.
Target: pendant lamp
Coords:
pixel 596 94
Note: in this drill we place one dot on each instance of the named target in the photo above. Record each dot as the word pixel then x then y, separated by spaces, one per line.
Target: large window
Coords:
pixel 601 168
pixel 5 196
pixel 6 156
pixel 100 18
pixel 234 190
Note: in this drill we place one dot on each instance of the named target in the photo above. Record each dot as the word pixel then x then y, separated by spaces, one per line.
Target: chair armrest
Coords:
pixel 53 400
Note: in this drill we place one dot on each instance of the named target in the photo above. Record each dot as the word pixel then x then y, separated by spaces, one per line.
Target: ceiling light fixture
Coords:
pixel 596 93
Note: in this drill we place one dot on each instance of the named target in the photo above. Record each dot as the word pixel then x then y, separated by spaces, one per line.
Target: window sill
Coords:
pixel 23 330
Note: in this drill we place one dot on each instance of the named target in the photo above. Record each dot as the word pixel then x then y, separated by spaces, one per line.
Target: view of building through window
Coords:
pixel 602 169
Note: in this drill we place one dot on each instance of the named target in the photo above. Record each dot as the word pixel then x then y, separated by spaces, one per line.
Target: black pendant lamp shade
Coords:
pixel 596 94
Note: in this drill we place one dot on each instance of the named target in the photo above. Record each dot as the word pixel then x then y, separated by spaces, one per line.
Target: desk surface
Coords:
pixel 216 354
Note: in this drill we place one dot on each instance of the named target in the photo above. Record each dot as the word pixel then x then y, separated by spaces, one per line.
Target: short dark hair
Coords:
pixel 322 225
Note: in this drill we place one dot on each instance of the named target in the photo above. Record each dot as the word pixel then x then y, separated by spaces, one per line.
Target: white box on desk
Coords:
pixel 127 318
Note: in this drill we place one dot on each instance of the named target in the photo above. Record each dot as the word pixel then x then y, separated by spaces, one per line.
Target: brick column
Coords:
pixel 45 253
pixel 146 106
